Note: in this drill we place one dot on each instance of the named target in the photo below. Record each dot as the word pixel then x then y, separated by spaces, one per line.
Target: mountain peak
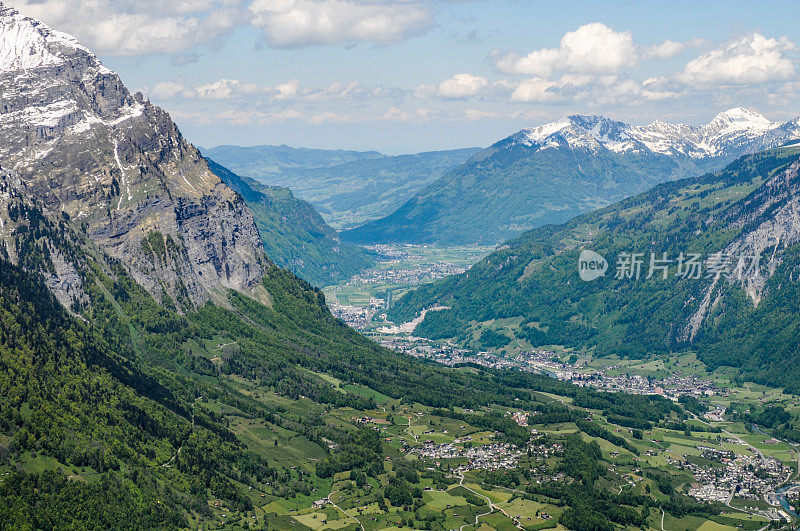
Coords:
pixel 741 118
pixel 120 169
pixel 26 43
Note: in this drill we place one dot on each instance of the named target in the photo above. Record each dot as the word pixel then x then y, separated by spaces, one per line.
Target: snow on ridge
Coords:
pixel 730 129
pixel 540 133
pixel 740 118
pixel 26 43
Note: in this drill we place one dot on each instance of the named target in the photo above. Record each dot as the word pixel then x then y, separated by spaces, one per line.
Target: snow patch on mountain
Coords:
pixel 731 133
pixel 26 43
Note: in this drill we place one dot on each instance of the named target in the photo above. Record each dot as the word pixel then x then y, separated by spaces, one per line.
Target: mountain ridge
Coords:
pixel 555 171
pixel 345 192
pixel 294 234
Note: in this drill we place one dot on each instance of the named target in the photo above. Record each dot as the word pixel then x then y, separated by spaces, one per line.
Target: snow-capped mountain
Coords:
pixel 731 133
pixel 550 173
pixel 118 169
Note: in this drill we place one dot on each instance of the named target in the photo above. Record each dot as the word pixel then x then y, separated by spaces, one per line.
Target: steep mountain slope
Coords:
pixel 294 234
pixel 553 172
pixel 739 311
pixel 117 165
pixel 347 193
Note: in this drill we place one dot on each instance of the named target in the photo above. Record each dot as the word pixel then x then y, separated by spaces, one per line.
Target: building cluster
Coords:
pixel 374 423
pixel 355 316
pixel 520 417
pixel 419 274
pixel 443 353
pixel 741 476
pixel 672 387
pixel 486 457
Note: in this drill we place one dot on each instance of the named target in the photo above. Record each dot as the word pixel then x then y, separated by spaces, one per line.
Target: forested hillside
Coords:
pixel 294 234
pixel 130 415
pixel 749 323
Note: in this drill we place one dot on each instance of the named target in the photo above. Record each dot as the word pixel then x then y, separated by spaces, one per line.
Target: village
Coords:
pixel 672 387
pixel 420 274
pixel 485 457
pixel 749 477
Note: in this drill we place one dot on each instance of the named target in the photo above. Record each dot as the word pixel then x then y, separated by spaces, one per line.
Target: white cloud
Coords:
pixel 461 86
pixel 297 23
pixel 136 28
pixel 395 114
pixel 753 59
pixel 665 50
pixel 592 90
pixel 292 90
pixel 593 47
pixel 537 90
pixel 288 90
pixel 224 89
pixel 168 90
pixel 142 27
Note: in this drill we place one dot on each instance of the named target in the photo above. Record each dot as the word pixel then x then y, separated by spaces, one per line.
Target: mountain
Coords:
pixel 86 149
pixel 740 311
pixel 266 162
pixel 157 371
pixel 294 234
pixel 348 188
pixel 553 172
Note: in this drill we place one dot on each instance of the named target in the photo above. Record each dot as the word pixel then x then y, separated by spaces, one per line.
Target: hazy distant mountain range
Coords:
pixel 294 234
pixel 347 187
pixel 553 172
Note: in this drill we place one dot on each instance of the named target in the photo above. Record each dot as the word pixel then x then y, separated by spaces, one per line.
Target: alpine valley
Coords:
pixel 163 367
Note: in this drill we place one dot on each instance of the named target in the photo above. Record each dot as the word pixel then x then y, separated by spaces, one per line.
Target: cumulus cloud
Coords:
pixel 297 23
pixel 753 59
pixel 136 28
pixel 461 86
pixel 537 90
pixel 593 47
pixel 665 50
pixel 221 89
pixel 224 89
pixel 291 90
pixel 142 27
pixel 288 90
pixel 168 90
pixel 590 89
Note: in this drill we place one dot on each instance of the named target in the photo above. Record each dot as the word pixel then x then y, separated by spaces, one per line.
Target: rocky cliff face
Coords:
pixel 82 144
pixel 768 222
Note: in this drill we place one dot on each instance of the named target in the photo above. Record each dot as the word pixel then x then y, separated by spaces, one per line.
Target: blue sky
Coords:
pixel 415 75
